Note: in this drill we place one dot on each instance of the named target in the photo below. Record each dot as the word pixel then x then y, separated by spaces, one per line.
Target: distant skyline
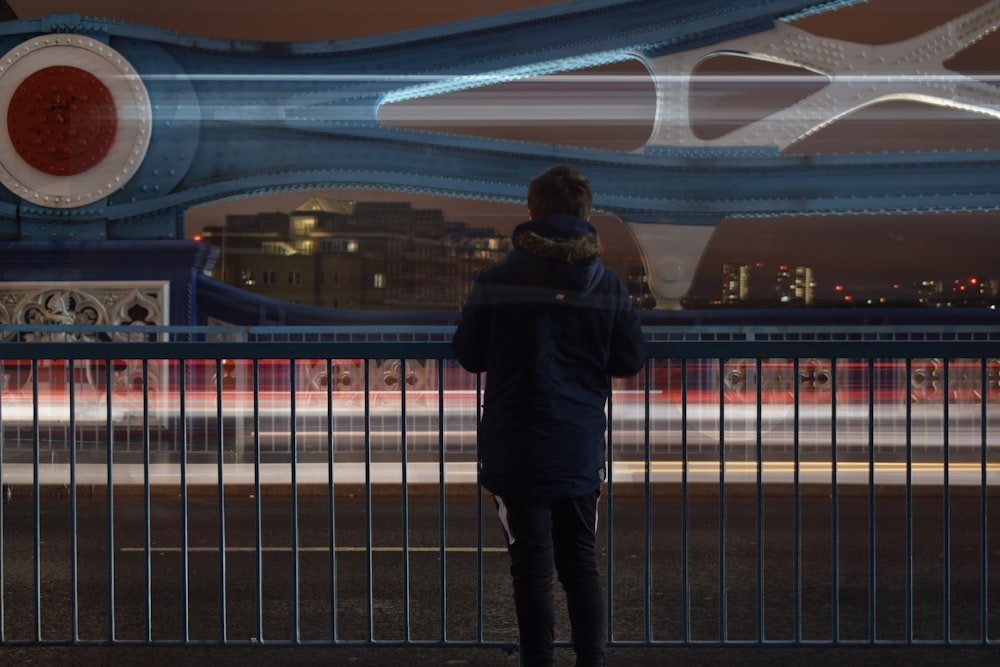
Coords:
pixel 865 254
pixel 615 236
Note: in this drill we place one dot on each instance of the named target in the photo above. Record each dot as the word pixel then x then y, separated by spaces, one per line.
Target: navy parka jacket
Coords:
pixel 550 326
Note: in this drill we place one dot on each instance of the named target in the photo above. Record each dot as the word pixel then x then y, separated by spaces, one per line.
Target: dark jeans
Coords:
pixel 560 532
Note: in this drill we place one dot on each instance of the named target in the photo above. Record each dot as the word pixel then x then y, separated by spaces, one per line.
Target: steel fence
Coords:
pixel 287 486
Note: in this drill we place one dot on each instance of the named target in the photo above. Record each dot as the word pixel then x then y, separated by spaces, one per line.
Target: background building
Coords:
pixel 735 283
pixel 972 291
pixel 794 285
pixel 355 255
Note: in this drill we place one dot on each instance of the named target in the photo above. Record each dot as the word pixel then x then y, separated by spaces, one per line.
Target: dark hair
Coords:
pixel 560 190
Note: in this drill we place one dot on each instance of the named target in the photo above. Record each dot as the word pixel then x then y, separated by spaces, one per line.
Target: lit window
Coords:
pixel 379 282
pixel 247 278
pixel 279 248
pixel 340 245
pixel 303 225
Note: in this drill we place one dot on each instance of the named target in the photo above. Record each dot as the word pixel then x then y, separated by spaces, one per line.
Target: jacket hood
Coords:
pixel 558 238
pixel 557 251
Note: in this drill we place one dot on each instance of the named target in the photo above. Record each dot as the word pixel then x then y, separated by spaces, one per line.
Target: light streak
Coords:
pixel 428 473
pixel 321 550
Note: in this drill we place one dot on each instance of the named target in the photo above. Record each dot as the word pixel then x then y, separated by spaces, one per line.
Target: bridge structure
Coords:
pixel 115 130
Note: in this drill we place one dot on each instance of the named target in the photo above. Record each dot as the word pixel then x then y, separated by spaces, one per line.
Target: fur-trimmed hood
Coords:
pixel 558 238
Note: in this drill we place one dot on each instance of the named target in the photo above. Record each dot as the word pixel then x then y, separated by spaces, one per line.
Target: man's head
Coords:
pixel 560 190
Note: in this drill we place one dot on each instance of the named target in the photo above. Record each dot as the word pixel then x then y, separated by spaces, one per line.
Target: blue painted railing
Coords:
pixel 768 486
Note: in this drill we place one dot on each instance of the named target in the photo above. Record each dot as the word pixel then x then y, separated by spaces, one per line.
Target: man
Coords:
pixel 550 326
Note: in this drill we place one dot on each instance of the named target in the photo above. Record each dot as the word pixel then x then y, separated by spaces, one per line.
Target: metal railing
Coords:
pixel 767 487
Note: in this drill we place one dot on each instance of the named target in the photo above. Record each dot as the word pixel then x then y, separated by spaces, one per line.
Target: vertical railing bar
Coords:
pixel 648 511
pixel 480 524
pixel 984 551
pixel 908 547
pixel 109 448
pixel 834 509
pixel 147 546
pixel 796 502
pixel 442 510
pixel 723 603
pixel 330 502
pixel 946 509
pixel 685 509
pixel 258 504
pixel 404 492
pixel 185 527
pixel 609 614
pixel 221 494
pixel 293 456
pixel 369 570
pixel 73 509
pixel 872 625
pixel 35 461
pixel 761 634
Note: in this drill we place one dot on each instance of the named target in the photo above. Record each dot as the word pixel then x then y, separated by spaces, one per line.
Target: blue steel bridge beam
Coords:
pixel 237 119
pixel 215 101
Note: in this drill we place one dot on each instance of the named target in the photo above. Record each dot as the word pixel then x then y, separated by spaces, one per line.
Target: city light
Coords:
pixel 749 285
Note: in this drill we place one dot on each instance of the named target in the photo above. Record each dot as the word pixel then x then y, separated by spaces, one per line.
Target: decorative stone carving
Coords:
pixel 91 303
pixel 80 307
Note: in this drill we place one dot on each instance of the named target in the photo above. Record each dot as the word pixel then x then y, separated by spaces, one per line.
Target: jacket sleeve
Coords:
pixel 470 342
pixel 628 347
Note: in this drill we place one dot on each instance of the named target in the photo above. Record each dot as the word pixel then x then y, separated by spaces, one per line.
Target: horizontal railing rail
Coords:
pixel 52 342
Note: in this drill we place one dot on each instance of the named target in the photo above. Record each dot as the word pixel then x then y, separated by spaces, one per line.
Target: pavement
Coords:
pixel 17 628
pixel 459 657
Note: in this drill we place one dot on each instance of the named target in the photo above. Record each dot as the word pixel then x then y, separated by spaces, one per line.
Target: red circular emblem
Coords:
pixel 62 120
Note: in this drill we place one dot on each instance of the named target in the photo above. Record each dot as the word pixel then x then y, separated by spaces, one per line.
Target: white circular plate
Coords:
pixel 115 163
